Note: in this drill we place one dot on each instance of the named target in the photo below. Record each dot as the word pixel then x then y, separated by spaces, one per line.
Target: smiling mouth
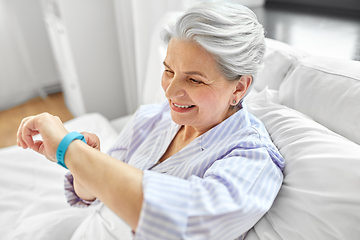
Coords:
pixel 184 106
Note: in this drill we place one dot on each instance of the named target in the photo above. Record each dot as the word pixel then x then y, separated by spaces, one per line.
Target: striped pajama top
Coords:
pixel 217 187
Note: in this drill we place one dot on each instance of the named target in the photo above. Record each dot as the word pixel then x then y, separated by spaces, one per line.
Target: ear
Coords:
pixel 241 88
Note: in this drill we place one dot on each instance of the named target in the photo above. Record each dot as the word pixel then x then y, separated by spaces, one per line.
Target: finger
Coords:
pixel 92 140
pixel 95 141
pixel 18 134
pixel 38 147
pixel 86 136
pixel 28 131
pixel 20 140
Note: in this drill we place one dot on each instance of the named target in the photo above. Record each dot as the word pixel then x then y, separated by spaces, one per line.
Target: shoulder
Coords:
pixel 253 137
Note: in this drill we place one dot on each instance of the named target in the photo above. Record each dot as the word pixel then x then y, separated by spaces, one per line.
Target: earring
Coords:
pixel 234 101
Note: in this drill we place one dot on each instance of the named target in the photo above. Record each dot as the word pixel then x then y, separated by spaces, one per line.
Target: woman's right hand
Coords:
pixel 92 140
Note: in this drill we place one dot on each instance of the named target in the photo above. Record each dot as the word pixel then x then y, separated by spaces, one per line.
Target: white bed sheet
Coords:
pixel 32 201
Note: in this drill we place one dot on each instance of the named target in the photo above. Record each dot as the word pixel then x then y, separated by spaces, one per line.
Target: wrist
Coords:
pixel 64 145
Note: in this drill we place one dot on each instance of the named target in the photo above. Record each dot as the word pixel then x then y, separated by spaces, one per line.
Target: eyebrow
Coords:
pixel 189 72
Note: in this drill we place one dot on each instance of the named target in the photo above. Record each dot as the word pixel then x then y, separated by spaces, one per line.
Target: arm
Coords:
pixel 82 192
pixel 116 184
pixel 93 141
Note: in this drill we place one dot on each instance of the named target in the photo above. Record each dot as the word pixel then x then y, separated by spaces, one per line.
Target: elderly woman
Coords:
pixel 198 166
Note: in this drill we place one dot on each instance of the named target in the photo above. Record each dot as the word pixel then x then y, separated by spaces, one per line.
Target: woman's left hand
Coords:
pixel 49 127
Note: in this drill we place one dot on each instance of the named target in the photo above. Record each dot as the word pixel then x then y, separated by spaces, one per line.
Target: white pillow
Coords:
pixel 327 90
pixel 278 59
pixel 320 195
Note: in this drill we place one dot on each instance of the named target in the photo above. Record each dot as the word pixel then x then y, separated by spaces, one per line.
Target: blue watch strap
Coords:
pixel 64 144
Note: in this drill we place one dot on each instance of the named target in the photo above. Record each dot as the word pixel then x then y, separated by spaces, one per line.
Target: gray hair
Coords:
pixel 228 31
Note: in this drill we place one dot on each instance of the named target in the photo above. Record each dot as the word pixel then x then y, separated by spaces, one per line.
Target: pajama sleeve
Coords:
pixel 72 198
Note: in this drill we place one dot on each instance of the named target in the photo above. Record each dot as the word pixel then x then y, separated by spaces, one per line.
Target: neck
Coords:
pixel 188 133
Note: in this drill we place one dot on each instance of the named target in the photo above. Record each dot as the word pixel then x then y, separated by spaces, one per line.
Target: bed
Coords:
pixel 310 106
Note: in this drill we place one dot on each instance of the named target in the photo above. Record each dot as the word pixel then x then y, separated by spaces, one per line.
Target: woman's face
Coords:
pixel 199 96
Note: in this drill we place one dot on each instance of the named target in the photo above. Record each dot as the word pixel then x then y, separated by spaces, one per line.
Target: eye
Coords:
pixel 169 72
pixel 195 81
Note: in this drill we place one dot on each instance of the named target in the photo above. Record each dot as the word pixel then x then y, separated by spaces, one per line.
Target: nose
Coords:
pixel 173 88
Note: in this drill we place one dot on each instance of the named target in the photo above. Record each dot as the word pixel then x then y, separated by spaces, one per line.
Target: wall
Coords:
pixel 26 61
